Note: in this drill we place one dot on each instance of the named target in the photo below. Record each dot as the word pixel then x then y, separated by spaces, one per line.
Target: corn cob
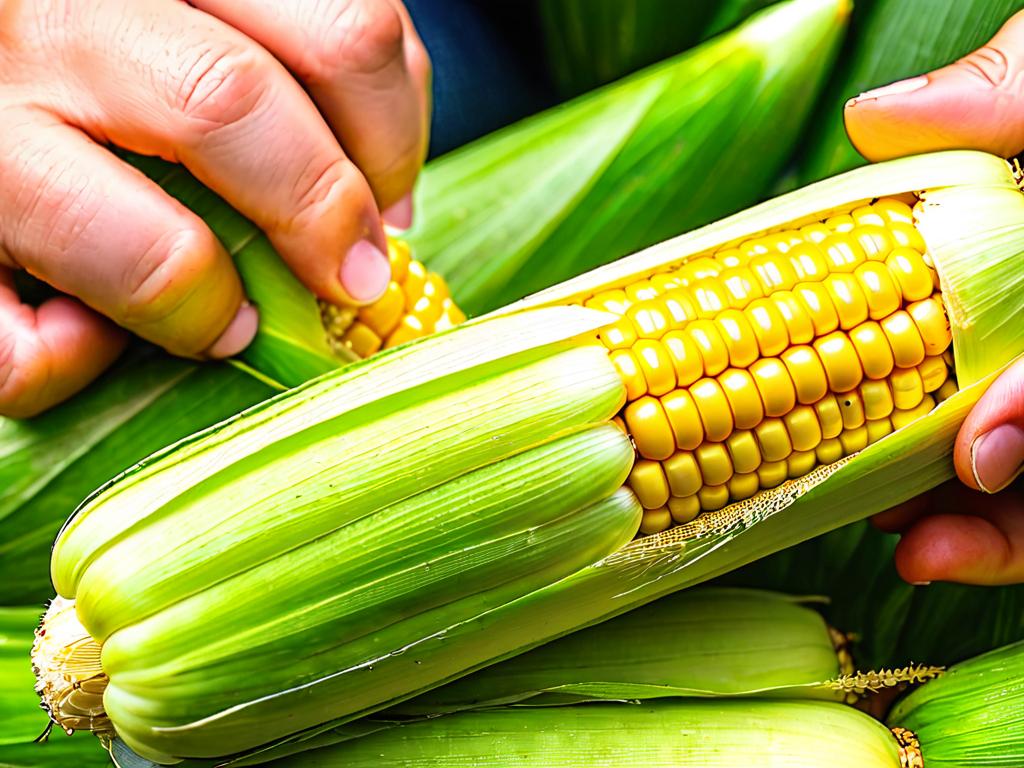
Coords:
pixel 173 586
pixel 710 733
pixel 416 303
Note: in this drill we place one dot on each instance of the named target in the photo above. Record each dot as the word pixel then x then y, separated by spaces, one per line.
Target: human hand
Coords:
pixel 257 99
pixel 956 534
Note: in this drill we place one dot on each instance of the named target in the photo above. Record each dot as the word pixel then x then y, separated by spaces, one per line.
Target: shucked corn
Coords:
pixel 763 360
pixel 416 303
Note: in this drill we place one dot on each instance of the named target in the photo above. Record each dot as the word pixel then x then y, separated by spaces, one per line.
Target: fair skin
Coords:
pixel 958 533
pixel 310 117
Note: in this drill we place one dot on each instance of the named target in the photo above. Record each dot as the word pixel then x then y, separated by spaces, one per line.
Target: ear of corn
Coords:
pixel 50 463
pixel 172 532
pixel 973 715
pixel 717 733
pixel 701 642
pixel 671 148
pixel 892 40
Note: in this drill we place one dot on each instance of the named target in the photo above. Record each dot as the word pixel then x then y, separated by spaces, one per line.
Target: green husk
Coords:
pixel 892 40
pixel 49 464
pixel 81 751
pixel 972 716
pixel 668 149
pixel 713 733
pixel 701 642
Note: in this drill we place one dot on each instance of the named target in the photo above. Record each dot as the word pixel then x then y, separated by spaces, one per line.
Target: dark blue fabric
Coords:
pixel 487 66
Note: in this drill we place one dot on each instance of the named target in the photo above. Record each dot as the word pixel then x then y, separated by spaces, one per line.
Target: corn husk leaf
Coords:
pixel 49 464
pixel 719 733
pixel 892 40
pixel 701 642
pixel 972 716
pixel 670 148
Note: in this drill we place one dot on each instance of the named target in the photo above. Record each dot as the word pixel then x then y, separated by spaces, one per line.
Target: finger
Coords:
pixel 75 216
pixel 211 98
pixel 49 352
pixel 970 549
pixel 976 103
pixel 989 450
pixel 363 63
pixel 901 517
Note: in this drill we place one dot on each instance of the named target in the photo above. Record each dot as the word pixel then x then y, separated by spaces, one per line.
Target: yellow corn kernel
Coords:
pixel 743 486
pixel 854 440
pixel 816 301
pixel 451 316
pixel 773 439
pixel 710 297
pixel 384 314
pixel 849 300
pixel 807 373
pixel 839 358
pixel 774 385
pixel 663 282
pixel 731 257
pixel 399 256
pixel 685 356
pixel 684 419
pixel 714 462
pixel 679 305
pixel 877 429
pixel 772 473
pixel 851 406
pixel 904 338
pixel 815 233
pixel 741 286
pixel 911 273
pixel 613 301
pixel 713 497
pixel 683 474
pixel 877 399
pixel 739 337
pixel 880 289
pixel 905 235
pixel 428 310
pixel 698 269
pixel 713 351
pixel 830 416
pixel 412 286
pixel 684 509
pixel 656 365
pixel 649 484
pixel 648 424
pixel 843 252
pixel 798 321
pixel 829 451
pixel 872 349
pixel 933 373
pixel 743 451
pixel 800 463
pixel 408 329
pixel 841 222
pixel 655 521
pixel 900 417
pixel 875 241
pixel 808 262
pixel 744 400
pixel 894 210
pixel 803 428
pixel 640 291
pixel 648 320
pixel 946 391
pixel 932 324
pixel 715 411
pixel 773 273
pixel 907 388
pixel 362 340
pixel 866 214
pixel 768 325
pixel 629 370
pixel 618 335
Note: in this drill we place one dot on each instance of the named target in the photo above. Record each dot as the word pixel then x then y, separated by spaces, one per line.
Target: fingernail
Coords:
pixel 893 89
pixel 365 272
pixel 399 215
pixel 997 457
pixel 238 335
pixel 920 583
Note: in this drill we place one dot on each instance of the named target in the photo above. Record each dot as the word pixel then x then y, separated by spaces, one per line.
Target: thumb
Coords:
pixel 976 103
pixel 989 451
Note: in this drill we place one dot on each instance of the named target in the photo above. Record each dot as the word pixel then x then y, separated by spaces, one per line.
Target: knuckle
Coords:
pixel 989 65
pixel 163 278
pixel 218 88
pixel 324 186
pixel 19 382
pixel 360 37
